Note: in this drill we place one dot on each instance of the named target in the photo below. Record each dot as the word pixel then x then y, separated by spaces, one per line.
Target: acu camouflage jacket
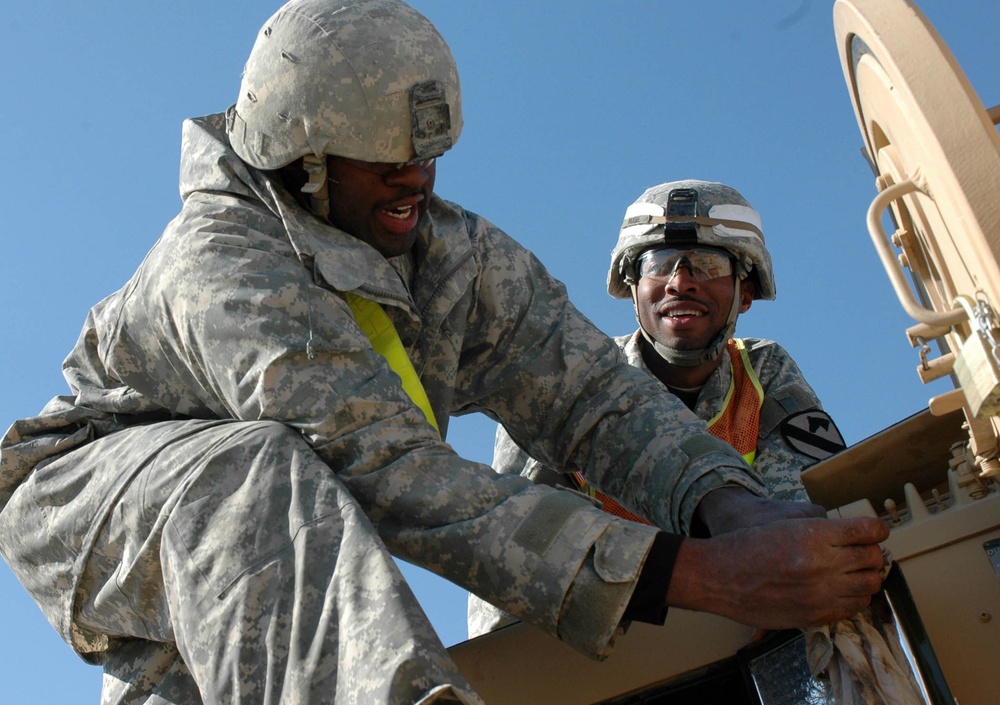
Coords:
pixel 237 313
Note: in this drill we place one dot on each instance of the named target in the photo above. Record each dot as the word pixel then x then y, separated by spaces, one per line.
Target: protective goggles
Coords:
pixel 703 263
pixel 383 169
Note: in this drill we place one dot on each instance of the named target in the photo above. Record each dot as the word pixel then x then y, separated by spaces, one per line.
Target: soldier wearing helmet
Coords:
pixel 691 257
pixel 257 418
pixel 711 232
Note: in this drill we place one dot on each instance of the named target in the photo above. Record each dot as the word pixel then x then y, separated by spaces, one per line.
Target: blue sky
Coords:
pixel 572 108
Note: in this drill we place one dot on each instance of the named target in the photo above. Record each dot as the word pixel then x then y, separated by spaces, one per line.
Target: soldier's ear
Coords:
pixel 747 290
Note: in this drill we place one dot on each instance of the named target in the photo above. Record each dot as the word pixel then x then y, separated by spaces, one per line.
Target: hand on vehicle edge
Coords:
pixel 792 573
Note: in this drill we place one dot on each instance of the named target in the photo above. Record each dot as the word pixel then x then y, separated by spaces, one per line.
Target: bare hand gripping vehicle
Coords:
pixel 934 477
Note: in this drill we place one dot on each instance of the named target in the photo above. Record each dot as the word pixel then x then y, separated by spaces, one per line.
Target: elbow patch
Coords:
pixel 705 444
pixel 540 528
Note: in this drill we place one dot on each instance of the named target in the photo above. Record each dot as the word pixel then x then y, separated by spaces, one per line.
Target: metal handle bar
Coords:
pixel 892 266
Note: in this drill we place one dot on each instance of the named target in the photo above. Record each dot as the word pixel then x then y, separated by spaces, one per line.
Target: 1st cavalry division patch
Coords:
pixel 813 433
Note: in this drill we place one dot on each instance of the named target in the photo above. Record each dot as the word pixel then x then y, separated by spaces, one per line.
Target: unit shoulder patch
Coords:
pixel 813 433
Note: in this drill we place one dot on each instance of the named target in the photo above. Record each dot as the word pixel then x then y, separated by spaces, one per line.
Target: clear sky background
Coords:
pixel 572 109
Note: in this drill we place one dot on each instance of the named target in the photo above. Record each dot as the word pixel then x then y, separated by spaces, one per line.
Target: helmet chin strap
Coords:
pixel 316 186
pixel 693 358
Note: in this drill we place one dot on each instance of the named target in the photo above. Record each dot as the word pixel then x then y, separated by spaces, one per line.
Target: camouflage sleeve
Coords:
pixel 795 432
pixel 508 457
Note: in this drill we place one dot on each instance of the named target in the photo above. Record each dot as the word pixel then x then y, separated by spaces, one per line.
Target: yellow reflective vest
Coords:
pixel 374 323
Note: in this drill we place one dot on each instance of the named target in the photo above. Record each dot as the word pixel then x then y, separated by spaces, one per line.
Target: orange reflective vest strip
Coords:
pixel 375 323
pixel 611 506
pixel 737 423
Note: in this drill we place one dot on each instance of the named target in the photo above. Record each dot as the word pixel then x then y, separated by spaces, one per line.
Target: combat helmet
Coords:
pixel 690 213
pixel 371 80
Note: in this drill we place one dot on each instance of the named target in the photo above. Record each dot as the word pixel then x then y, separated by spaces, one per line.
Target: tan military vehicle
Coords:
pixel 935 221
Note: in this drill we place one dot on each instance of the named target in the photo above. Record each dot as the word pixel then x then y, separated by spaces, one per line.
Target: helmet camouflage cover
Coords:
pixel 688 213
pixel 365 79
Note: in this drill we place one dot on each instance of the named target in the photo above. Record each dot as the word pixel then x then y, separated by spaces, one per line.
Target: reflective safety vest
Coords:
pixel 737 422
pixel 375 323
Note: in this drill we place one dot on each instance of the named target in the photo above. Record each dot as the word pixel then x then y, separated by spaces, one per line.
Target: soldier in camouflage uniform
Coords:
pixel 210 512
pixel 691 256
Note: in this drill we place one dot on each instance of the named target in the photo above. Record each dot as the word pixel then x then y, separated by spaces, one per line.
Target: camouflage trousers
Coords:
pixel 229 566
